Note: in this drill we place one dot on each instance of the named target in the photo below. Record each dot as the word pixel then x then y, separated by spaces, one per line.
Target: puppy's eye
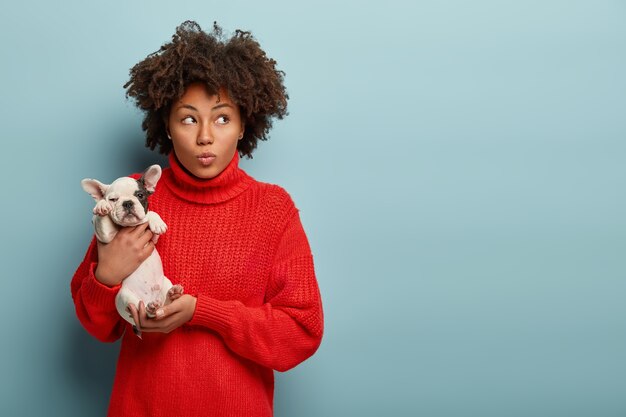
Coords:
pixel 112 199
pixel 140 195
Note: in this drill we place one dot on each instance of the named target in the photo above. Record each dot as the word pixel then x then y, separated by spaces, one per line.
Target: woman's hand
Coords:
pixel 169 317
pixel 120 257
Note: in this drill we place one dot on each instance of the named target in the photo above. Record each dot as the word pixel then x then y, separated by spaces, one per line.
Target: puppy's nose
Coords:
pixel 128 204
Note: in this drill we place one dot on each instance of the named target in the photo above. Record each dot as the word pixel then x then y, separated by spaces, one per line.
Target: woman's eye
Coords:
pixel 222 120
pixel 188 120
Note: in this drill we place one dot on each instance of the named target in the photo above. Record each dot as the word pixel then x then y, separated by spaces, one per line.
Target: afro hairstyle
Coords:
pixel 237 64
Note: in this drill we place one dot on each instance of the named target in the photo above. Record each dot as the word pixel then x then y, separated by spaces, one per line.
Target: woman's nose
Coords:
pixel 204 135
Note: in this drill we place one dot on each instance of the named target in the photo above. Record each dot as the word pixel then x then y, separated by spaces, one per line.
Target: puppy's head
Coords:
pixel 125 200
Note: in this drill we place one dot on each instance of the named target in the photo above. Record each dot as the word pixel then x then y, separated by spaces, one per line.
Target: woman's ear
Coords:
pixel 166 122
pixel 243 129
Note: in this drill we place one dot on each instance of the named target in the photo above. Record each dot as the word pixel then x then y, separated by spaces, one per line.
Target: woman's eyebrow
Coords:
pixel 190 107
pixel 187 106
pixel 219 106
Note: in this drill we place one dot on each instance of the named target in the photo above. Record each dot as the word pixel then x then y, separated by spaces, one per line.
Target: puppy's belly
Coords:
pixel 146 277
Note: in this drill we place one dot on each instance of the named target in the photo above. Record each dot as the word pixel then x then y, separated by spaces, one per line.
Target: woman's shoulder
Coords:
pixel 273 194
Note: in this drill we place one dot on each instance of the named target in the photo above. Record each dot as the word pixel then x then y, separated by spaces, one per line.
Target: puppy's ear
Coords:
pixel 151 177
pixel 95 188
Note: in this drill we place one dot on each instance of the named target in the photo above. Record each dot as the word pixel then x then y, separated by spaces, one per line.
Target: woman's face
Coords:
pixel 204 130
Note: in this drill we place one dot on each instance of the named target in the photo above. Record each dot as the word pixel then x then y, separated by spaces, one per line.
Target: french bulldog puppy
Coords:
pixel 124 203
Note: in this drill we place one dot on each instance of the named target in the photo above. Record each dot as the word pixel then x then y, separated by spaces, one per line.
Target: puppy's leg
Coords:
pixel 171 292
pixel 156 224
pixel 152 308
pixel 105 228
pixel 157 301
pixel 122 300
pixel 102 208
pixel 175 292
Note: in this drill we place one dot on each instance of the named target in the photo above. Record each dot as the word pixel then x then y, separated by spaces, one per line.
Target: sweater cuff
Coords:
pixel 96 293
pixel 212 313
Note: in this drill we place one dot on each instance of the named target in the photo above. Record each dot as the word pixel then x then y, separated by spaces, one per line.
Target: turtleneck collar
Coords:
pixel 228 184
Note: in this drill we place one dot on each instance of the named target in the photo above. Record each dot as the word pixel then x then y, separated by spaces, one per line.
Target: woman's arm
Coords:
pixel 94 301
pixel 98 278
pixel 288 327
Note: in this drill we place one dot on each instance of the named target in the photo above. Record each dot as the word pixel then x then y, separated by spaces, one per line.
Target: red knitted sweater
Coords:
pixel 238 246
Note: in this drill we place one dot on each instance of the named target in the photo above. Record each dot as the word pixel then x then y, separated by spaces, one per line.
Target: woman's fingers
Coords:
pixel 144 239
pixel 141 229
pixel 135 315
pixel 175 315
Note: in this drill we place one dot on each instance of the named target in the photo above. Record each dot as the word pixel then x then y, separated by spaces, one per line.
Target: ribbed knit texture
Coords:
pixel 238 246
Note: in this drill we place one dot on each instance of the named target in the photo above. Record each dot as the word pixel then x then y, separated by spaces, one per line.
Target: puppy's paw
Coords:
pixel 152 307
pixel 175 292
pixel 102 208
pixel 157 226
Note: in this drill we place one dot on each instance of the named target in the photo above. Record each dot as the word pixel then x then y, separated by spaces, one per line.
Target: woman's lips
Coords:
pixel 206 158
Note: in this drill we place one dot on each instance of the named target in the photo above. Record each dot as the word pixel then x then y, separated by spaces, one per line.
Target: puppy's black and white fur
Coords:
pixel 124 203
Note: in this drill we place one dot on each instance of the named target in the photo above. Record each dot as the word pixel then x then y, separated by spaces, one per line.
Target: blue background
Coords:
pixel 459 167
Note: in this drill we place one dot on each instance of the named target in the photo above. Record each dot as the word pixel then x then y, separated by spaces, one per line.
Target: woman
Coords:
pixel 236 245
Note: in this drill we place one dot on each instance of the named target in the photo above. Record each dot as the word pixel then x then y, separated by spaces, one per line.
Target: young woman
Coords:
pixel 236 245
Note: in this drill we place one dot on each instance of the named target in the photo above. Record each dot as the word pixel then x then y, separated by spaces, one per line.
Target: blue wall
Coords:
pixel 460 170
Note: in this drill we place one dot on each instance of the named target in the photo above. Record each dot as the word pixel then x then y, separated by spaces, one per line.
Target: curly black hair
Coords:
pixel 237 64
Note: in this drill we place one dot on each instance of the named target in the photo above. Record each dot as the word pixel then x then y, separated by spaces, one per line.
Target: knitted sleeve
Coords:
pixel 288 327
pixel 94 301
